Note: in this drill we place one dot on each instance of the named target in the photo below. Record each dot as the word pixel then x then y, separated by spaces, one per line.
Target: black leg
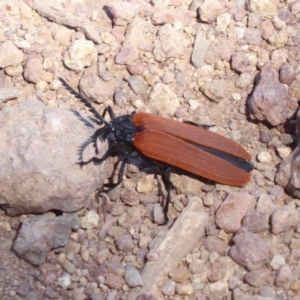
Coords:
pixel 123 162
pixel 110 111
pixel 165 175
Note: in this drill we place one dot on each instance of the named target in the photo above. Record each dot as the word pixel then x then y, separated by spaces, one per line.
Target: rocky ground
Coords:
pixel 230 64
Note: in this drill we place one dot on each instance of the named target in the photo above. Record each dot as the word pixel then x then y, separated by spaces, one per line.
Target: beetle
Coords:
pixel 184 145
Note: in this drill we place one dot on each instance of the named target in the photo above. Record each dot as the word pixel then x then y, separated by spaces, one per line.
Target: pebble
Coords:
pixel 273 110
pixel 249 250
pixel 127 55
pixel 130 196
pixel 266 8
pixel 163 98
pixel 132 276
pixel 125 243
pixel 122 12
pixel 114 281
pixel 277 261
pixel 81 54
pixel 169 43
pixel 209 10
pixel 10 55
pixel 264 157
pixel 184 289
pixel 138 85
pixel 255 221
pixel 284 219
pixel 158 214
pixel 200 48
pixel 90 220
pixel 232 210
pixel 65 280
pixel 283 276
pixel 284 152
pixel 169 287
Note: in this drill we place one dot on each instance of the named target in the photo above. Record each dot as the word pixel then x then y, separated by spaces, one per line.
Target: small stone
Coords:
pixel 138 85
pixel 173 16
pixel 264 157
pixel 283 275
pixel 33 70
pixel 127 55
pixel 217 90
pixel 232 210
pixel 260 277
pixel 254 20
pixel 180 275
pixel 244 81
pixel 69 267
pixel 266 8
pixel 122 12
pixel 168 77
pixel 249 250
pixel 240 63
pixel 284 152
pixel 65 280
pixel 169 43
pixel 270 100
pixel 136 69
pixel 114 281
pixel 223 21
pixel 253 36
pixel 284 219
pixel 132 276
pixel 163 98
pixel 168 288
pixel 90 220
pixel 295 7
pixel 125 243
pixel 158 214
pixel 209 10
pixel 256 221
pixel 278 23
pixel 201 46
pixel 265 204
pixel 287 74
pixel 102 255
pixel 236 97
pixel 130 196
pixel 184 289
pixel 277 261
pixel 81 54
pixel 10 55
pixel 295 286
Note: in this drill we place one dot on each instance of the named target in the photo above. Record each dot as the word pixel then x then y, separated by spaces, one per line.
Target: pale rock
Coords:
pixel 122 12
pixel 277 261
pixel 81 54
pixel 267 8
pixel 90 220
pixel 264 157
pixel 10 55
pixel 209 10
pixel 233 209
pixel 163 98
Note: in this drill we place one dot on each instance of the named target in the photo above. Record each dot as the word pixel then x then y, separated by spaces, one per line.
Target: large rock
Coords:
pixel 39 155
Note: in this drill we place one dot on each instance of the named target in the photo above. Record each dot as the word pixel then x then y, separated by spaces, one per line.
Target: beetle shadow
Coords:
pixel 89 140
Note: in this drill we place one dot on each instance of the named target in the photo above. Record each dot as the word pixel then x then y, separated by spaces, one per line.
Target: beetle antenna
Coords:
pixel 84 101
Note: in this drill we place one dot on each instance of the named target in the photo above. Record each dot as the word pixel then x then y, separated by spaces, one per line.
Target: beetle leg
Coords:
pixel 165 175
pixel 123 162
pixel 110 111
